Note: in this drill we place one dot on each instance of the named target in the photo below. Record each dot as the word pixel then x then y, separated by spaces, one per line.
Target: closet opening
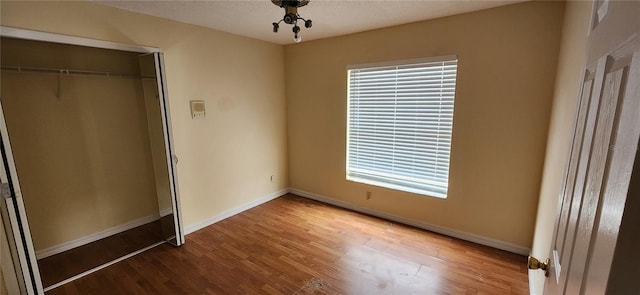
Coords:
pixel 88 157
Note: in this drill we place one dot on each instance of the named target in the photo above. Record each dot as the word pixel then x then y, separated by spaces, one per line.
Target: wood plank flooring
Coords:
pixel 59 267
pixel 293 245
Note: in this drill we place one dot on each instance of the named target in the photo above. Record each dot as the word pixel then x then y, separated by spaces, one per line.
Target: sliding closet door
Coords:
pixel 164 159
pixel 24 276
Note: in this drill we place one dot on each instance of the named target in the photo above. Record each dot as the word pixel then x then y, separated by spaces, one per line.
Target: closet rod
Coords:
pixel 69 72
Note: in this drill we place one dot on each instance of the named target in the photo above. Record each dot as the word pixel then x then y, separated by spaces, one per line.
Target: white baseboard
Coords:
pixel 233 211
pixel 53 250
pixel 419 224
pixel 166 211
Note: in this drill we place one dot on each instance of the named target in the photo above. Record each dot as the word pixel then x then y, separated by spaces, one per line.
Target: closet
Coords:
pixel 88 161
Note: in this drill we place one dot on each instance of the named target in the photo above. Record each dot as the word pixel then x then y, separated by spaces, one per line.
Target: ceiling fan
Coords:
pixel 291 16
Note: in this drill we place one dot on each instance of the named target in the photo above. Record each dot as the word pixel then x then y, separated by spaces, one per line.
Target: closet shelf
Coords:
pixel 51 71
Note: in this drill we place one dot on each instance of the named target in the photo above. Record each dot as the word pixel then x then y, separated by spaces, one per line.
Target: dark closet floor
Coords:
pixel 59 267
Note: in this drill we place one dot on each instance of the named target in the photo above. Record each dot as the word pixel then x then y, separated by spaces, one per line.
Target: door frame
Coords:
pixel 72 40
pixel 171 158
pixel 26 243
pixel 18 223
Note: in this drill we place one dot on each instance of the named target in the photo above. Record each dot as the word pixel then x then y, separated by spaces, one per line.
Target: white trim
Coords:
pixel 22 232
pixel 394 186
pixel 226 214
pixel 66 39
pixel 110 263
pixel 171 158
pixel 536 282
pixel 53 250
pixel 22 211
pixel 419 224
pixel 22 256
pixel 7 267
pixel 403 62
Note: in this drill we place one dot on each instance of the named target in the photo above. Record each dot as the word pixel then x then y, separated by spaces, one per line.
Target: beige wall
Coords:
pixel 502 108
pixel 571 62
pixel 226 159
pixel 506 69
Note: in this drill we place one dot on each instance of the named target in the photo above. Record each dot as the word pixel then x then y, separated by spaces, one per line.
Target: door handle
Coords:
pixel 534 263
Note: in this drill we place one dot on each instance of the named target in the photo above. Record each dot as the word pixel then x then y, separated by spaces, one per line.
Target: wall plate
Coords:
pixel 197 109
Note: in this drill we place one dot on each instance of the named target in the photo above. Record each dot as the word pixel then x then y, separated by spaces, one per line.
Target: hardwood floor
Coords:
pixel 293 245
pixel 59 267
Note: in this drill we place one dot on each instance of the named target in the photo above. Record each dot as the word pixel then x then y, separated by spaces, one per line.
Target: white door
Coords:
pixel 598 174
pixel 25 269
pixel 159 119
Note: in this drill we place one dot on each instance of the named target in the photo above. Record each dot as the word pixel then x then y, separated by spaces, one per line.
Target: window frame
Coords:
pixel 391 185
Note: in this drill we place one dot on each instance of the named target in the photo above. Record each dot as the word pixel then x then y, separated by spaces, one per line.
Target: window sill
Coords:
pixel 397 187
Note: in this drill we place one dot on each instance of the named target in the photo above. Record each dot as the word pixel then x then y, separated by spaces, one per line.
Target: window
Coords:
pixel 399 124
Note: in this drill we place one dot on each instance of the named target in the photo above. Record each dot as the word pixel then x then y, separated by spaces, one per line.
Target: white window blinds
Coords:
pixel 400 119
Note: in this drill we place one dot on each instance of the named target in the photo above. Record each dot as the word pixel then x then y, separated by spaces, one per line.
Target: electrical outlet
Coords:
pixel 369 195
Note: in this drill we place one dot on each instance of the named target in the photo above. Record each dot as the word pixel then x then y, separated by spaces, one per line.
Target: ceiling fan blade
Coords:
pixel 303 2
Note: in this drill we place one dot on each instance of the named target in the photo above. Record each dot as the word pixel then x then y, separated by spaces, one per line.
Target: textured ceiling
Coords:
pixel 253 18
